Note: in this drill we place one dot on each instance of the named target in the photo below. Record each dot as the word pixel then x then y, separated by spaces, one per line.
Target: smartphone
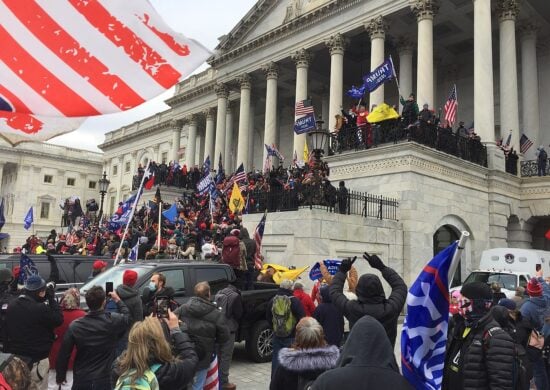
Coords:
pixel 538 267
pixel 108 288
pixel 161 307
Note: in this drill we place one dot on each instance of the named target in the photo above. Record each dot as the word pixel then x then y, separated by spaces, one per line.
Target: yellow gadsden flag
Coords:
pixel 306 153
pixel 382 112
pixel 236 202
pixel 282 272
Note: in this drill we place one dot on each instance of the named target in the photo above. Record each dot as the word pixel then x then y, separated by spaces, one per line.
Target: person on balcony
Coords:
pixel 410 110
pixel 542 156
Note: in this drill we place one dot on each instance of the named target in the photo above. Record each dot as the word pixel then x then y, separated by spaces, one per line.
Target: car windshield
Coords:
pixel 114 275
pixel 507 281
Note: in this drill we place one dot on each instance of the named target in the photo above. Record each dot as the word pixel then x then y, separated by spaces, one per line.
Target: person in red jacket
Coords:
pixel 70 306
pixel 307 302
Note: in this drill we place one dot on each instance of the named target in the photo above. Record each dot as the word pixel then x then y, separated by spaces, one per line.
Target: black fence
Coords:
pixel 393 131
pixel 324 198
pixel 531 168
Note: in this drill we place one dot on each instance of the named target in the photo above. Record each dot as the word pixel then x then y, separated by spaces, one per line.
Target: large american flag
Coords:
pixel 303 107
pixel 524 143
pixel 258 236
pixel 80 58
pixel 451 106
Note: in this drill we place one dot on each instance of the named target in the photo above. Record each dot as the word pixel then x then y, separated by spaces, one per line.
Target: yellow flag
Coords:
pixel 381 113
pixel 306 153
pixel 282 272
pixel 236 202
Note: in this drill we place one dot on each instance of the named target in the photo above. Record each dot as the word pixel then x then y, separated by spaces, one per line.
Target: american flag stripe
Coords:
pixel 451 106
pixel 302 110
pixel 212 380
pixel 16 103
pixel 68 49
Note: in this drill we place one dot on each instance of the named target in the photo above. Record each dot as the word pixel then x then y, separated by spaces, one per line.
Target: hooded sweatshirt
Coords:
pixel 366 362
pixel 330 317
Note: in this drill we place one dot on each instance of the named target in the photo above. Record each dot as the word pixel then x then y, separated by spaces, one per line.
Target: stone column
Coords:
pixel 336 45
pixel 251 135
pixel 200 148
pixel 507 11
pixel 223 93
pixel 176 137
pixel 244 122
pixel 376 29
pixel 119 161
pixel 229 140
pixel 209 137
pixel 302 58
pixel 191 142
pixel 530 84
pixel 405 49
pixel 270 136
pixel 425 11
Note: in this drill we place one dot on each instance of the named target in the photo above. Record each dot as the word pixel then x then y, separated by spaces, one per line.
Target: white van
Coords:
pixel 509 267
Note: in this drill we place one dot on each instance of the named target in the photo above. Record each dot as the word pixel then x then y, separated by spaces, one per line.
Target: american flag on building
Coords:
pixel 451 106
pixel 79 58
pixel 258 236
pixel 524 143
pixel 303 107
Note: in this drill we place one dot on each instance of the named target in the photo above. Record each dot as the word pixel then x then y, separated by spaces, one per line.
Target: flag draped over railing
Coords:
pixel 80 58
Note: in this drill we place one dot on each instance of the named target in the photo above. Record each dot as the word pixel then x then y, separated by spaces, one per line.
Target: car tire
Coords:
pixel 258 345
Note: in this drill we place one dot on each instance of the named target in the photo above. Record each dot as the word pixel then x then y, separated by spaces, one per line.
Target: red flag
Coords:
pixel 149 183
pixel 547 235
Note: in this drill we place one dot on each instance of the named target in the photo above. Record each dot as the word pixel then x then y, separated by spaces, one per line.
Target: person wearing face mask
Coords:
pixel 157 288
pixel 30 324
pixel 479 354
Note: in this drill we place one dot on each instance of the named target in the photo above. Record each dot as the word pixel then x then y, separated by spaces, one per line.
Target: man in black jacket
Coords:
pixel 95 337
pixel 30 323
pixel 157 288
pixel 205 323
pixel 371 299
pixel 480 354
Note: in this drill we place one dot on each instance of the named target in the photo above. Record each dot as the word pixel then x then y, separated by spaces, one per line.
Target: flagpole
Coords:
pixel 160 223
pixel 458 253
pixel 131 214
pixel 396 81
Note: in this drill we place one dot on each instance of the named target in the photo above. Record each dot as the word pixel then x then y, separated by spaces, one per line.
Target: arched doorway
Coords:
pixel 443 237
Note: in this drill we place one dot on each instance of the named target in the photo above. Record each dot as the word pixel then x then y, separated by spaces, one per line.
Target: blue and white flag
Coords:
pixel 356 93
pixel 26 268
pixel 379 76
pixel 273 151
pixel 203 186
pixel 424 335
pixel 133 256
pixel 2 218
pixel 122 216
pixel 29 219
pixel 171 214
pixel 206 164
pixel 332 267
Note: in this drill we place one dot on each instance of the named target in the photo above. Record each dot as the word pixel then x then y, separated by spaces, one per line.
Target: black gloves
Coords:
pixel 346 264
pixel 374 261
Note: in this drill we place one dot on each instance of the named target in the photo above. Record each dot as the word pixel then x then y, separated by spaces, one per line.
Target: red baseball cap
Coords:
pixel 98 264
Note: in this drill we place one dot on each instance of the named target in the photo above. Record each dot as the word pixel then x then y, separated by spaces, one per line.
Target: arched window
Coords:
pixel 443 237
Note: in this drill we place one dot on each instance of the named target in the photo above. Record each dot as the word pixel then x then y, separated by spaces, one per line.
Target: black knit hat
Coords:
pixel 477 290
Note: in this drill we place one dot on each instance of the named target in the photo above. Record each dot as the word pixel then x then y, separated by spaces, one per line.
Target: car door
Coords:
pixel 175 278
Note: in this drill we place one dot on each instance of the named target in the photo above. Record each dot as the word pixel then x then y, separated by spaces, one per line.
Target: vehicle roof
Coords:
pixel 502 271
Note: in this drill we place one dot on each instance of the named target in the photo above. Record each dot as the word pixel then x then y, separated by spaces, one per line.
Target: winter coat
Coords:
pixel 130 297
pixel 68 317
pixel 177 373
pixel 30 327
pixel 482 359
pixel 330 317
pixel 534 310
pixel 371 299
pixel 234 307
pixel 298 367
pixel 205 323
pixel 95 337
pixel 367 361
pixel 307 302
pixel 295 306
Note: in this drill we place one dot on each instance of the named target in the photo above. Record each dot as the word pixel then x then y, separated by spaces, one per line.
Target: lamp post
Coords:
pixel 103 186
pixel 318 137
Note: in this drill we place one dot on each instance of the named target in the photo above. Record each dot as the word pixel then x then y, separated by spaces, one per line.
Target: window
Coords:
pixel 112 205
pixel 164 157
pixel 210 274
pixel 48 179
pixel 70 181
pixel 127 167
pixel 44 210
pixel 115 170
pixel 174 279
pixel 92 185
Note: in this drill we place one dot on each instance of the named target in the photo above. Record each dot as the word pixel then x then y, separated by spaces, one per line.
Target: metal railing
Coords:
pixel 392 131
pixel 530 168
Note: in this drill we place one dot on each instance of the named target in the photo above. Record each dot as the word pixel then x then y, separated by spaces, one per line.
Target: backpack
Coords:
pixel 222 301
pixel 283 319
pixel 231 253
pixel 147 382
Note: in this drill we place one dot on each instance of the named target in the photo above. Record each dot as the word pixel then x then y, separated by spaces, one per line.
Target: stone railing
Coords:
pixel 530 168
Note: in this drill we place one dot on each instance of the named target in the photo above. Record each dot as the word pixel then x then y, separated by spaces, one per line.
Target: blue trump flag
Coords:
pixel 379 76
pixel 122 216
pixel 29 219
pixel 206 164
pixel 26 268
pixel 356 93
pixel 2 218
pixel 332 266
pixel 424 335
pixel 171 214
pixel 133 256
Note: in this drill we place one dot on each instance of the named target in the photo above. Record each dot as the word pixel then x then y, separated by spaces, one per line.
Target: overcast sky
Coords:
pixel 204 21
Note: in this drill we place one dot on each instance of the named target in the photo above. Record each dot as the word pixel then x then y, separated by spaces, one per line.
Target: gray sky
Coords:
pixel 204 21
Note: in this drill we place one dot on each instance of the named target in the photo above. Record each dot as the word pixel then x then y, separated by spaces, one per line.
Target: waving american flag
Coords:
pixel 79 58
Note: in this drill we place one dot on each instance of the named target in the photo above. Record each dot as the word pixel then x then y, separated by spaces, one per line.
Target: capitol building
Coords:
pixel 283 51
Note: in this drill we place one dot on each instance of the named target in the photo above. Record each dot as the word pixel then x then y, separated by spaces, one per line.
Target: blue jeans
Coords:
pixel 278 343
pixel 199 379
pixel 539 374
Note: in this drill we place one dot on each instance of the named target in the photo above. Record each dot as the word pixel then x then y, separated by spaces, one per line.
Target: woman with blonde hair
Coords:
pixel 149 355
pixel 308 358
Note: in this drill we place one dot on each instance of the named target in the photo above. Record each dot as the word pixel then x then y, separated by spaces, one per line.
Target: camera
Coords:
pixel 161 307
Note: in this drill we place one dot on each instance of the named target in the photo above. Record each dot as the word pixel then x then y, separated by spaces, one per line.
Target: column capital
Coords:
pixel 271 70
pixel 376 28
pixel 336 44
pixel 405 45
pixel 209 113
pixel 221 90
pixel 424 9
pixel 507 10
pixel 528 29
pixel 302 58
pixel 192 119
pixel 245 81
pixel 176 124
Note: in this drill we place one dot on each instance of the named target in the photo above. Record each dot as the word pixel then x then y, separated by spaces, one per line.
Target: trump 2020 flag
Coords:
pixel 29 219
pixel 379 76
pixel 424 333
pixel 26 268
pixel 80 58
pixel 332 267
pixel 122 216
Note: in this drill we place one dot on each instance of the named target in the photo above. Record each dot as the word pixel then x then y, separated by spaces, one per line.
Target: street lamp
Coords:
pixel 318 137
pixel 103 186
